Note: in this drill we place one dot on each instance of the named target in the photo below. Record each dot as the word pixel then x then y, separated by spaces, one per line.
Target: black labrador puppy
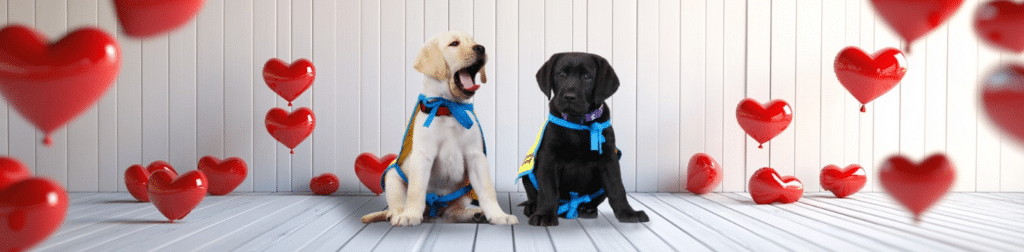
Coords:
pixel 576 162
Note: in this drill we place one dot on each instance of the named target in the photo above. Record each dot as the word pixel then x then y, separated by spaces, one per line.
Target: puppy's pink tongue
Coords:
pixel 467 82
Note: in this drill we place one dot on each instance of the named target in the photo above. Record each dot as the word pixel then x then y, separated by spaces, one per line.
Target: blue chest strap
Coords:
pixel 460 111
pixel 595 129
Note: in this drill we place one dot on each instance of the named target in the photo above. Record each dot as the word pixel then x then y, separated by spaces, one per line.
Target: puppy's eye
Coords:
pixel 561 74
pixel 586 77
pixel 454 43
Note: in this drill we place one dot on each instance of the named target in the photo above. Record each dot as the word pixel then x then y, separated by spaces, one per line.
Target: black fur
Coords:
pixel 576 84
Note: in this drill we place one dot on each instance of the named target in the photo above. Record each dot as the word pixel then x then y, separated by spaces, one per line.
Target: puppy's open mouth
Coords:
pixel 465 78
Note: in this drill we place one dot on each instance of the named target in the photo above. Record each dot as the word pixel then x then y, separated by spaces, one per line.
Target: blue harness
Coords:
pixel 568 207
pixel 459 111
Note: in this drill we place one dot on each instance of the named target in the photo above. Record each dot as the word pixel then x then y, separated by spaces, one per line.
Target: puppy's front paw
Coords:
pixel 588 213
pixel 503 219
pixel 636 216
pixel 407 220
pixel 544 220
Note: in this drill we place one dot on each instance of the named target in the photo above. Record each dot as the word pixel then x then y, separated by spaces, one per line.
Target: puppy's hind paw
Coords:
pixel 588 213
pixel 528 208
pixel 407 220
pixel 503 219
pixel 633 217
pixel 544 220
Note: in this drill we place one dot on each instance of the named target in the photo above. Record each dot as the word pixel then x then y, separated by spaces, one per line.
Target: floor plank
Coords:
pixel 316 217
pixel 253 217
pixel 642 237
pixel 952 210
pixel 282 220
pixel 673 225
pixel 494 237
pixel 338 234
pixel 526 237
pixel 452 237
pixel 399 238
pixel 604 235
pixel 749 239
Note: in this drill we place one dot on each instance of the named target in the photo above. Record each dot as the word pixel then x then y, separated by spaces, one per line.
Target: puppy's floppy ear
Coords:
pixel 545 74
pixel 430 61
pixel 607 82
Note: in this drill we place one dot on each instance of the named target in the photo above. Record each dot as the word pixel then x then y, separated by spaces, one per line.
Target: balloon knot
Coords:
pixel 293 152
pixel 48 141
pixel 862 109
pixel 289 104
pixel 760 146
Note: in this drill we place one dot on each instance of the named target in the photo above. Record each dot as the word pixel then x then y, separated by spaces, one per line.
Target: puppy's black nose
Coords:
pixel 569 97
pixel 479 49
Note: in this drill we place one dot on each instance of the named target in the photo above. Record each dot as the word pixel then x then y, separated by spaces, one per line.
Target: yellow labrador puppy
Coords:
pixel 443 158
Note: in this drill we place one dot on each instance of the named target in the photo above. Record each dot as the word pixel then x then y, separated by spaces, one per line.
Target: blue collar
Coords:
pixel 589 117
pixel 459 110
pixel 596 129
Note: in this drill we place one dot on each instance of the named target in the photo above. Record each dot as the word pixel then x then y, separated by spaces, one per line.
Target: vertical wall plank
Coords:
pixel 369 90
pixel 210 58
pixel 734 139
pixel 506 82
pixel 961 105
pixel 302 48
pixel 624 59
pixel 347 92
pixel 886 107
pixel 155 101
pixel 701 78
pixel 460 16
pixel 579 25
pixel 669 34
pixel 484 33
pixel 109 178
pixel 759 59
pixel 807 105
pixel 129 105
pixel 531 102
pixel 83 157
pixel 867 122
pixel 182 97
pixel 1011 172
pixel 414 37
pixel 911 101
pixel 935 91
pixel 392 109
pixel 833 95
pixel 647 169
pixel 4 112
pixel 22 135
pixel 851 117
pixel 783 79
pixel 324 99
pixel 238 85
pixel 435 17
pixel 284 52
pixel 989 142
pixel 51 21
pixel 263 164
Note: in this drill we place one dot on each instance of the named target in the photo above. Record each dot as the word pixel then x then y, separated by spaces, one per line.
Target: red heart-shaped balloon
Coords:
pixel 762 123
pixel 290 129
pixel 224 175
pixel 12 171
pixel 766 187
pixel 370 169
pixel 912 19
pixel 917 186
pixel 843 182
pixel 289 81
pixel 144 18
pixel 325 184
pixel 136 178
pixel 175 197
pixel 1002 96
pixel 30 210
pixel 868 77
pixel 51 84
pixel 703 174
pixel 1001 24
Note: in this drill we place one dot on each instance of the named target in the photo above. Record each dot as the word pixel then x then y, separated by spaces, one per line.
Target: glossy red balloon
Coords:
pixel 912 19
pixel 51 84
pixel 145 18
pixel 762 123
pixel 30 210
pixel 12 171
pixel 289 81
pixel 325 184
pixel 136 178
pixel 370 169
pixel 1002 97
pixel 1001 24
pixel 175 197
pixel 868 77
pixel 843 182
pixel 290 129
pixel 703 174
pixel 766 186
pixel 224 175
pixel 917 186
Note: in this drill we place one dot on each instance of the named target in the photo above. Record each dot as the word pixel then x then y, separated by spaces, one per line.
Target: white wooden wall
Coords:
pixel 683 65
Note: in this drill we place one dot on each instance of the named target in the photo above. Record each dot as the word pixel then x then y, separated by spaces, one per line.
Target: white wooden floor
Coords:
pixel 715 222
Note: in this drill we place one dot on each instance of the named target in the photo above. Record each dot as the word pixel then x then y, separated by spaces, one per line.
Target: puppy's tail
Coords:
pixel 525 203
pixel 375 217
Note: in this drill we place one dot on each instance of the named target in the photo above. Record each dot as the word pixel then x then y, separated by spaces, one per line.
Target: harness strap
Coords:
pixel 596 129
pixel 570 207
pixel 436 202
pixel 458 110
